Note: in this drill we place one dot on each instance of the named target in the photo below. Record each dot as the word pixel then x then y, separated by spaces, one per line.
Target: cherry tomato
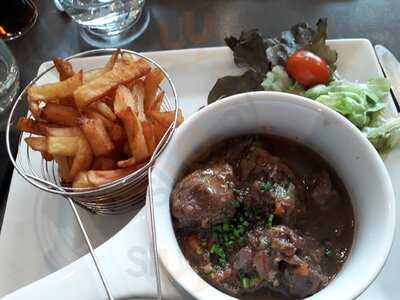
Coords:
pixel 307 68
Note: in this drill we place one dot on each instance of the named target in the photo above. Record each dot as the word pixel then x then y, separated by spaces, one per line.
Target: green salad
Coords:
pixel 300 62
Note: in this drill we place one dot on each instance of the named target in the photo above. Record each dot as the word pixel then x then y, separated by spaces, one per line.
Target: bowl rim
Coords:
pixel 76 192
pixel 299 100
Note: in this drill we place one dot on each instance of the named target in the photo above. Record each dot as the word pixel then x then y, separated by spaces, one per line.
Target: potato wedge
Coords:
pixel 92 74
pixel 123 99
pixel 98 178
pixel 130 162
pixel 138 96
pixel 165 118
pixel 37 143
pixel 64 146
pixel 64 68
pixel 63 168
pixel 81 181
pixel 60 114
pixel 149 135
pixel 103 163
pixel 113 59
pixel 158 101
pixel 63 131
pixel 151 84
pixel 97 136
pixel 134 133
pixel 115 131
pixel 129 57
pixel 54 91
pixel 31 126
pixel 83 158
pixel 99 87
pixel 159 131
pixel 34 108
pixel 47 156
pixel 106 111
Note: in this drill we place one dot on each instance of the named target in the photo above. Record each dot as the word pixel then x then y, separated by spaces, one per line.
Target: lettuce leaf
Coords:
pixel 249 51
pixel 356 101
pixel 302 36
pixel 231 85
pixel 385 135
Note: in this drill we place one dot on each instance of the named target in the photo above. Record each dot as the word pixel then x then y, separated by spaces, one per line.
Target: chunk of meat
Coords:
pixel 204 197
pixel 322 192
pixel 289 262
pixel 243 260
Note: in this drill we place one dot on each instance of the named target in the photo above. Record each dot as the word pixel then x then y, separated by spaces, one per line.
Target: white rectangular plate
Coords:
pixel 43 223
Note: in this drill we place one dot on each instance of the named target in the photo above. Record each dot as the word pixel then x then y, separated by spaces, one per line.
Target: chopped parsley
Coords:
pixel 328 252
pixel 265 186
pixel 270 219
pixel 235 203
pixel 217 250
pixel 245 282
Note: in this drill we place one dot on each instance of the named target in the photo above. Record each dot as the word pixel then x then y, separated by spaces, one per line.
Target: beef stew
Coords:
pixel 263 217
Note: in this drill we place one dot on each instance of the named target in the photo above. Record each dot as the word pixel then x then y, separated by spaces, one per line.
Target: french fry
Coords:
pixel 158 101
pixel 165 118
pixel 47 156
pixel 97 136
pixel 83 158
pixel 34 108
pixel 30 125
pixel 63 168
pixel 64 68
pixel 106 111
pixel 138 96
pixel 63 131
pixel 151 84
pixel 103 163
pixel 123 99
pixel 159 131
pixel 54 91
pixel 134 132
pixel 62 145
pixel 81 180
pixel 99 87
pixel 149 135
pixel 37 143
pixel 113 59
pixel 92 74
pixel 114 130
pixel 130 162
pixel 96 73
pixel 98 178
pixel 129 57
pixel 60 114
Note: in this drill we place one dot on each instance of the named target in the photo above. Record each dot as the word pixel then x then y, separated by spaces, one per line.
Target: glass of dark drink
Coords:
pixel 16 18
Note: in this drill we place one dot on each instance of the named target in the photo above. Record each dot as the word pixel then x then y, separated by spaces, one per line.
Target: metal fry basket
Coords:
pixel 116 197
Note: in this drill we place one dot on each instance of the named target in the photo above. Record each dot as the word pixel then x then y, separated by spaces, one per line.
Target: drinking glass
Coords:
pixel 9 79
pixel 16 18
pixel 105 23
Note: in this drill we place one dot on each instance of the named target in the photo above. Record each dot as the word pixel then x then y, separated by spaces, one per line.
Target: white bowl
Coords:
pixel 323 130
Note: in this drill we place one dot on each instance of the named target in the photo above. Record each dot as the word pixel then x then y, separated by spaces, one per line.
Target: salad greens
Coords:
pixel 258 54
pixel 265 60
pixel 301 36
pixel 356 101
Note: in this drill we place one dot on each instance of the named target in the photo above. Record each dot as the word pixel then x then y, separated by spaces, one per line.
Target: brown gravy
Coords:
pixel 323 214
